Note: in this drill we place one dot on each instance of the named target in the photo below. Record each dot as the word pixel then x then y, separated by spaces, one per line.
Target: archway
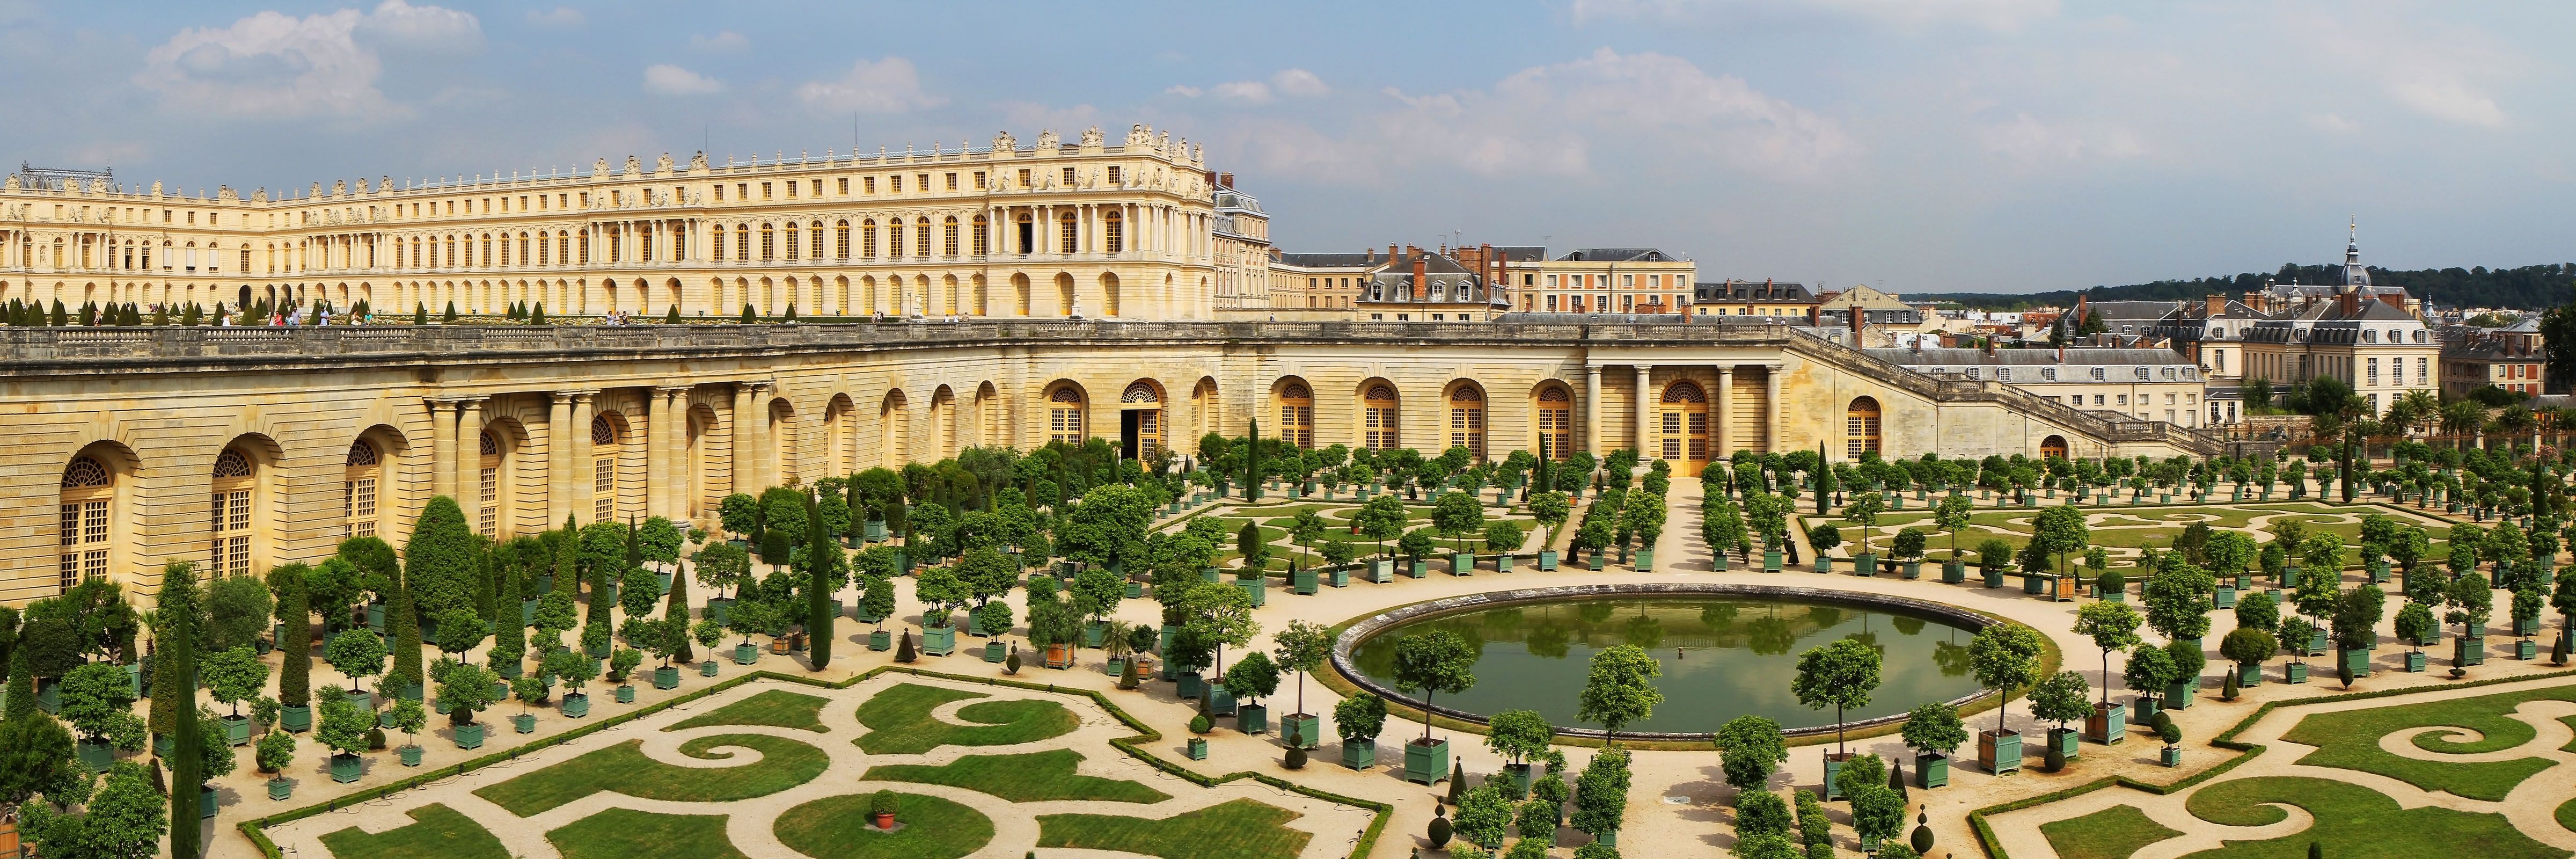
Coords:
pixel 88 521
pixel 2053 447
pixel 1140 420
pixel 943 420
pixel 607 435
pixel 1467 419
pixel 1683 422
pixel 894 436
pixel 1552 413
pixel 1860 428
pixel 1064 405
pixel 234 480
pixel 841 434
pixel 1379 414
pixel 1296 412
pixel 783 442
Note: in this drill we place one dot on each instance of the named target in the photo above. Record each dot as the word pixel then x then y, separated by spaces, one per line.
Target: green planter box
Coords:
pixel 1716 562
pixel 1462 564
pixel 2295 673
pixel 625 693
pixel 1426 763
pixel 708 667
pixel 1771 560
pixel 1953 572
pixel 2466 652
pixel 1304 582
pixel 295 719
pixel 2356 661
pixel 1198 748
pixel 1339 577
pixel 1116 666
pixel 95 756
pixel 937 641
pixel 1547 560
pixel 1834 776
pixel 1597 562
pixel 1503 563
pixel 1910 569
pixel 525 723
pixel 281 788
pixel 1994 578
pixel 1303 730
pixel 1645 561
pixel 2224 597
pixel 576 705
pixel 1258 589
pixel 237 729
pixel 1220 701
pixel 1359 754
pixel 1419 568
pixel 745 654
pixel 1188 685
pixel 996 651
pixel 2178 696
pixel 1865 564
pixel 2523 649
pixel 880 641
pixel 470 736
pixel 409 754
pixel 2172 756
pixel 2000 752
pixel 2108 725
pixel 1252 719
pixel 2066 743
pixel 1824 564
pixel 1381 571
pixel 2249 675
pixel 1931 771
pixel 346 768
pixel 2143 708
pixel 2414 661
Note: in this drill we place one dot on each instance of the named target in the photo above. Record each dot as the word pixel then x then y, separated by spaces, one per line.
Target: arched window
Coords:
pixel 815 232
pixel 720 243
pixel 792 244
pixel 1860 428
pixel 1467 420
pixel 1684 422
pixel 563 247
pixel 841 239
pixel 88 487
pixel 1297 415
pixel 2052 447
pixel 1555 423
pixel 921 238
pixel 231 513
pixel 1378 418
pixel 603 469
pixel 868 239
pixel 768 242
pixel 895 415
pixel 894 238
pixel 948 236
pixel 523 250
pixel 1067 234
pixel 487 494
pixel 1064 415
pixel 1146 404
pixel 983 236
pixel 1113 232
pixel 360 474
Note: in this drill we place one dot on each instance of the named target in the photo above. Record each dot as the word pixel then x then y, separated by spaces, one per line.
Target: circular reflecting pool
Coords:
pixel 1722 657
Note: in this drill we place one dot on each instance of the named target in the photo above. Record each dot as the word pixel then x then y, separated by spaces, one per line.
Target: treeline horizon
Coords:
pixel 2528 288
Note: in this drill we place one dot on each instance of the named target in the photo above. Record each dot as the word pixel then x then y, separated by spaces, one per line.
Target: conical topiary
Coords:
pixel 672 318
pixel 747 316
pixel 1457 781
pixel 903 651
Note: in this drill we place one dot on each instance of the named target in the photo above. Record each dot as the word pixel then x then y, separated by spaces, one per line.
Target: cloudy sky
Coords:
pixel 1927 145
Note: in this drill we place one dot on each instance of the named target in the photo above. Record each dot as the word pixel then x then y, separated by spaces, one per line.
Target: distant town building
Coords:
pixel 2510 358
pixel 2146 384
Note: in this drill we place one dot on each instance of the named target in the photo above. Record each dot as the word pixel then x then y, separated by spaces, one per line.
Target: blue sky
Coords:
pixel 1926 145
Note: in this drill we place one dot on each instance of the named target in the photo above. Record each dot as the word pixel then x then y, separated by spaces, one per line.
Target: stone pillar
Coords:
pixel 1645 411
pixel 1771 410
pixel 469 458
pixel 559 474
pixel 442 448
pixel 1592 409
pixel 752 456
pixel 657 452
pixel 1722 407
pixel 577 449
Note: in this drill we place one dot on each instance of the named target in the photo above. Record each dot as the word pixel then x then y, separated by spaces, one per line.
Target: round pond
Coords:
pixel 1722 656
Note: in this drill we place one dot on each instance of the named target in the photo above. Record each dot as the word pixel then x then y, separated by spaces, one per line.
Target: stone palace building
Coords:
pixel 1010 295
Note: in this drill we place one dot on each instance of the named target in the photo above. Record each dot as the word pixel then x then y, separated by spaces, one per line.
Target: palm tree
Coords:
pixel 2516 421
pixel 2462 418
pixel 2424 405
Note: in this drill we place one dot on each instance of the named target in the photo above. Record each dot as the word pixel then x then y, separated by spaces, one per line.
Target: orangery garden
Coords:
pixel 1261 651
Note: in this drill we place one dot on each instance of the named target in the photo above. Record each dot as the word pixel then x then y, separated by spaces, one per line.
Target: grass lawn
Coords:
pixel 621 833
pixel 2112 833
pixel 840 827
pixel 773 707
pixel 436 832
pixel 2567 815
pixel 1236 829
pixel 899 722
pixel 623 768
pixel 2354 822
pixel 1033 777
pixel 2350 740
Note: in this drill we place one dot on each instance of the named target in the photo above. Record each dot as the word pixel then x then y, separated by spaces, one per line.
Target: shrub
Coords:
pixel 1439 832
pixel 1296 757
pixel 884 802
pixel 275 751
pixel 1199 724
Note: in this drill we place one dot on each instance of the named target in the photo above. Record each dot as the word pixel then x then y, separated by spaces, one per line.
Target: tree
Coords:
pixel 2248 645
pixel 1952 516
pixel 2060 530
pixel 575 667
pixel 1550 509
pixel 2004 657
pixel 1434 662
pixel 1252 678
pixel 1302 647
pixel 2150 669
pixel 237 611
pixel 1380 519
pixel 2060 698
pixel 1620 688
pixel 234 676
pixel 1601 793
pixel 1933 728
pixel 467 688
pixel 1359 717
pixel 121 817
pixel 1814 828
pixel 1841 674
pixel 1878 812
pixel 827 568
pixel 358 653
pixel 1457 516
pixel 407 716
pixel 1518 735
pixel 1750 749
pixel 295 634
pixel 1108 528
pixel 441 563
pixel 36 754
pixel 2112 626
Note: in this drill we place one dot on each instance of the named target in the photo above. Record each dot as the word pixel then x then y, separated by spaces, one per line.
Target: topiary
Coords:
pixel 375 739
pixel 1011 663
pixel 1439 832
pixel 1922 839
pixel 903 652
pixel 2169 732
pixel 1199 724
pixel 884 802
pixel 1296 757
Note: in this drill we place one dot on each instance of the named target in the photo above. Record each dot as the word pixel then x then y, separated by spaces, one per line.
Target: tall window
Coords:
pixel 841 237
pixel 1555 424
pixel 1467 420
pixel 1066 233
pixel 230 514
pixel 921 238
pixel 1064 415
pixel 358 482
pixel 563 248
pixel 87 488
pixel 948 237
pixel 487 494
pixel 603 470
pixel 1685 425
pixel 1297 415
pixel 894 237
pixel 868 239
pixel 815 233
pixel 983 236
pixel 720 243
pixel 768 242
pixel 792 244
pixel 1860 428
pixel 1113 232
pixel 1378 418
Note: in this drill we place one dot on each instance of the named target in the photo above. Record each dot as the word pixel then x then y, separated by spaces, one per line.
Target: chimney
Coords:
pixel 2350 300
pixel 1225 180
pixel 2217 305
pixel 1421 283
pixel 1391 256
pixel 2254 299
pixel 1368 255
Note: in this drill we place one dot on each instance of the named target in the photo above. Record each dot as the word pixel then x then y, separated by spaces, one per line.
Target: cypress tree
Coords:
pixel 22 685
pixel 1824 480
pixel 747 317
pixel 538 316
pixel 62 317
pixel 676 610
pixel 161 315
pixel 404 617
pixel 450 314
pixel 823 555
pixel 791 313
pixel 419 314
pixel 599 601
pixel 1252 464
pixel 509 642
pixel 672 318
pixel 178 612
pixel 567 569
pixel 294 609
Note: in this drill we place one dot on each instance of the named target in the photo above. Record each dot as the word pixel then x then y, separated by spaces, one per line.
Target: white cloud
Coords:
pixel 890 85
pixel 1999 15
pixel 560 16
pixel 1183 90
pixel 727 40
pixel 667 79
pixel 2448 99
pixel 2330 123
pixel 269 64
pixel 1298 83
pixel 2030 142
pixel 1248 92
pixel 422 27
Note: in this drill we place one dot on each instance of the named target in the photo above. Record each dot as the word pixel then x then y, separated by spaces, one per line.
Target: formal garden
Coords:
pixel 618 688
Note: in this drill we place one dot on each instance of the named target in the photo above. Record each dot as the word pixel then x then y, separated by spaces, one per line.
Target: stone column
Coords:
pixel 469 458
pixel 657 452
pixel 442 448
pixel 559 474
pixel 1645 411
pixel 1592 409
pixel 1771 410
pixel 1722 405
pixel 752 457
pixel 577 449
